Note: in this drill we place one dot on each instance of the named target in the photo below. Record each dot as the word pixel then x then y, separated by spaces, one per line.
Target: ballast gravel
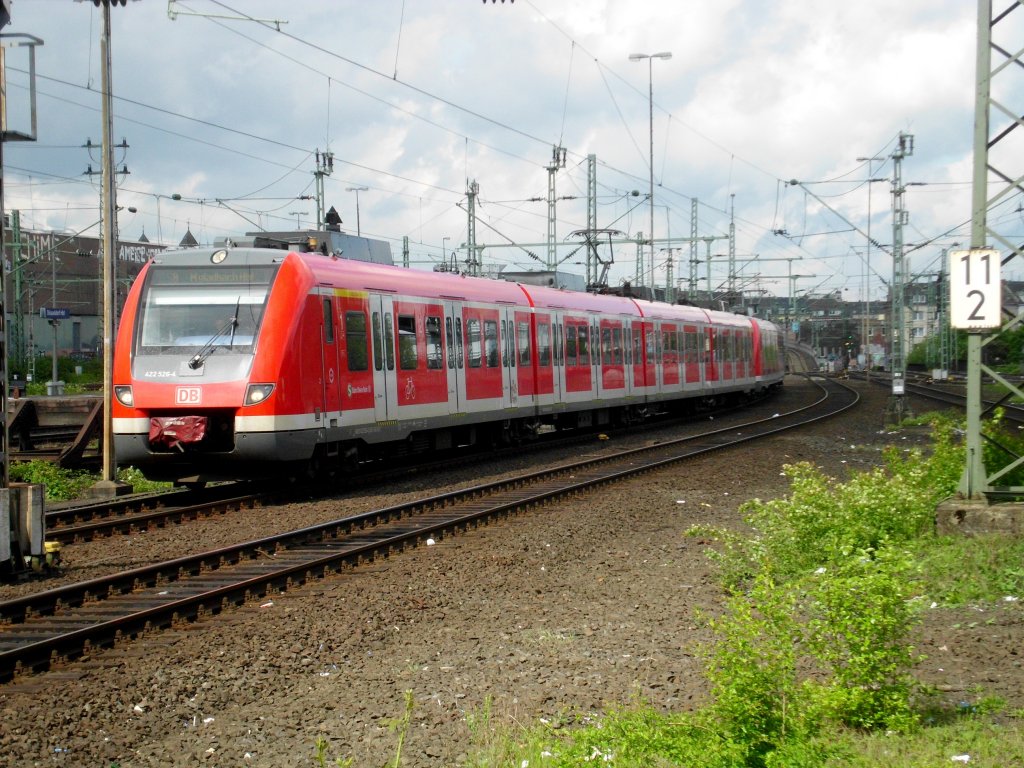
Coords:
pixel 542 617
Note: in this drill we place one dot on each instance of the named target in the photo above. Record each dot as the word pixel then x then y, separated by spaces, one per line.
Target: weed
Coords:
pixel 400 726
pixel 61 484
pixel 320 756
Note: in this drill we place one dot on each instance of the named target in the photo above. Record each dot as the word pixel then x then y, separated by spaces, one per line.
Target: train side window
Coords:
pixel 458 343
pixel 570 345
pixel 504 344
pixel 606 346
pixel 328 322
pixel 543 345
pixel 435 358
pixel 584 345
pixel 510 344
pixel 524 343
pixel 491 343
pixel 559 344
pixel 475 342
pixel 389 341
pixel 378 352
pixel 407 353
pixel 451 342
pixel 638 354
pixel 355 340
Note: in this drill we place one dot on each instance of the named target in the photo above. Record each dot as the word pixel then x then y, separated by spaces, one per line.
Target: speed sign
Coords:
pixel 975 288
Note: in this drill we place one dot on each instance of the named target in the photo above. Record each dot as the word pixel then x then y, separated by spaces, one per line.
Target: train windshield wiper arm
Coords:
pixel 200 357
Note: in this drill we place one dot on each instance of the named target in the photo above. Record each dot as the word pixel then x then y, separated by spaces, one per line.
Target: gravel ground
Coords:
pixel 558 612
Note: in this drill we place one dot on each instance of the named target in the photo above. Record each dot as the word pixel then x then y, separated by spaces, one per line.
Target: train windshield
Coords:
pixel 185 309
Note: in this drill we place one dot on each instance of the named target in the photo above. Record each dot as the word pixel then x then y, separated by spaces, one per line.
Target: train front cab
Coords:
pixel 184 361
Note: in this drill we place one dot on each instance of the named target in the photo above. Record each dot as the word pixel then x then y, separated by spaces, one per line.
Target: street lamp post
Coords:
pixel 357 190
pixel 650 57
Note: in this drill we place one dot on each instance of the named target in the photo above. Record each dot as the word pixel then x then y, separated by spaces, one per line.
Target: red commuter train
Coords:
pixel 236 362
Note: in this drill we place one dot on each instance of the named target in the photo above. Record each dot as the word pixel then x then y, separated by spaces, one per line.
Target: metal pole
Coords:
pixel 974 481
pixel 4 435
pixel 109 256
pixel 53 323
pixel 650 101
pixel 650 123
pixel 357 190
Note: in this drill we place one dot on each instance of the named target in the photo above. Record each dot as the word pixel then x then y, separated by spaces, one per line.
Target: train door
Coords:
pixel 385 386
pixel 557 356
pixel 710 355
pixel 509 377
pixel 627 356
pixel 637 343
pixel 656 356
pixel 329 363
pixel 455 357
pixel 546 383
pixel 670 358
pixel 526 357
pixel 691 356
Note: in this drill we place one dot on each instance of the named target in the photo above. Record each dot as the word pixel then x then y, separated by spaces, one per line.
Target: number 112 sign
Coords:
pixel 975 288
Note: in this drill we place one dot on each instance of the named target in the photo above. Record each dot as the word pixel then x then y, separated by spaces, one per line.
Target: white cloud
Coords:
pixel 756 91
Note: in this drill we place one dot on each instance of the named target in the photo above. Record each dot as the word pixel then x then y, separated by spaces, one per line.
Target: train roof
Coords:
pixel 369 276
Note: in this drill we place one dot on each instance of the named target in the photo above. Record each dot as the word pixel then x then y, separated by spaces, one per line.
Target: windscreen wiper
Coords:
pixel 200 357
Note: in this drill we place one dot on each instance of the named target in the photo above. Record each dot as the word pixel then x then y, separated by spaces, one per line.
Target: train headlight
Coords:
pixel 257 393
pixel 124 395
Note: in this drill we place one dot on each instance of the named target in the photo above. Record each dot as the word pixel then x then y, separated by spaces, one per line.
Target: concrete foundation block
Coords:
pixel 974 517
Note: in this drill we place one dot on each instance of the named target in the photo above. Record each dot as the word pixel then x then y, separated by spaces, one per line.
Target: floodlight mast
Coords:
pixel 650 57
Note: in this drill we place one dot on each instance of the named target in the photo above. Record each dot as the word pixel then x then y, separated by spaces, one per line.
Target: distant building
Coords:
pixel 59 277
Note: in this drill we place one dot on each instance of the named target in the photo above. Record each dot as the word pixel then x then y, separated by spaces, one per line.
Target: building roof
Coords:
pixel 189 240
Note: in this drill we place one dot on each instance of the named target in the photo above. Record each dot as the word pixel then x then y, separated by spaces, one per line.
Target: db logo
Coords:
pixel 188 395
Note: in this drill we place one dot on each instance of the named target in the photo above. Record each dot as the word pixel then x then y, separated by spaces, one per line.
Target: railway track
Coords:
pixel 73 523
pixel 955 397
pixel 58 625
pixel 81 522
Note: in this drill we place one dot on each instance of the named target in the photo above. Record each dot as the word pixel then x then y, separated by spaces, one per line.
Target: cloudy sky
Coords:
pixel 226 104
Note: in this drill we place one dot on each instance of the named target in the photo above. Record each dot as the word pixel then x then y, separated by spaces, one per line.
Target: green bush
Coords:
pixel 859 619
pixel 815 633
pixel 67 484
pixel 822 520
pixel 810 661
pixel 752 667
pixel 61 484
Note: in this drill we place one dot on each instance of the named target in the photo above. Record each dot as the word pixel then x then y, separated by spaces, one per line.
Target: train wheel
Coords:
pixel 350 460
